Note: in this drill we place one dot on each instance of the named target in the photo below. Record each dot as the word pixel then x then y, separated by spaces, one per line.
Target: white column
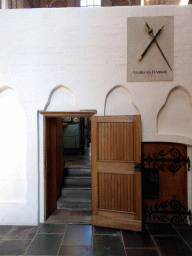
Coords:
pixel 4 4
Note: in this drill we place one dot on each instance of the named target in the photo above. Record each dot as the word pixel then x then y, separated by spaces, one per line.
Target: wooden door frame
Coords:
pixel 47 114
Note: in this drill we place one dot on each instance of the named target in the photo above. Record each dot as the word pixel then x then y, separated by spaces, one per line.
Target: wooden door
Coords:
pixel 53 163
pixel 116 172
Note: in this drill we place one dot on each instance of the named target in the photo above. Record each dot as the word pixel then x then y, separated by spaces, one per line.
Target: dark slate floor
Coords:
pixel 85 240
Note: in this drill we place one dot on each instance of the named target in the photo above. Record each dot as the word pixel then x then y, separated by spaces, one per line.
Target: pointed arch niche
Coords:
pixel 13 138
pixel 175 116
pixel 119 101
pixel 61 98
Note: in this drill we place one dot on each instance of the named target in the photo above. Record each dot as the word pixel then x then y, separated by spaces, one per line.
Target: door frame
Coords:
pixel 42 115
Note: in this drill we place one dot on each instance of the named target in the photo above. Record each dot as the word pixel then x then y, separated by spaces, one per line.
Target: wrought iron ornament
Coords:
pixel 159 161
pixel 177 213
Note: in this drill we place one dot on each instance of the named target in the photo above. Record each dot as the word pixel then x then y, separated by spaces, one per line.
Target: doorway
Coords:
pixel 116 155
pixel 75 191
pixel 54 125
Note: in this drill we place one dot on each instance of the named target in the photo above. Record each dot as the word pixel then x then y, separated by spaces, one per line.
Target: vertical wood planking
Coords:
pixel 107 190
pixel 129 192
pixel 119 191
pixel 115 140
pixel 121 141
pixel 103 191
pixel 109 141
pixel 113 192
pixel 103 141
pixel 131 142
pixel 116 192
pixel 106 142
pixel 132 193
pixel 128 141
pixel 99 190
pixel 122 193
pixel 137 138
pixel 125 141
pixel 112 141
pixel 100 141
pixel 110 192
pixel 118 141
pixel 126 192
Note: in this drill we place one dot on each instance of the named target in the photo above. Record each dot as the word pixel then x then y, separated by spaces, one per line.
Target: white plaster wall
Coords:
pixel 84 49
pixel 119 102
pixel 13 140
pixel 175 117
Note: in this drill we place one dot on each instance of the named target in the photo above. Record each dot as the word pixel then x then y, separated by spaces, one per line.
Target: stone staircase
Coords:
pixel 76 190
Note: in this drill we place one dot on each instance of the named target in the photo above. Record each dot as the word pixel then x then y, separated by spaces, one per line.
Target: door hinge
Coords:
pixel 45 163
pixel 138 167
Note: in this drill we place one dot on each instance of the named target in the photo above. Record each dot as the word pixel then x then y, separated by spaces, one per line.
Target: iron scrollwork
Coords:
pixel 172 211
pixel 173 163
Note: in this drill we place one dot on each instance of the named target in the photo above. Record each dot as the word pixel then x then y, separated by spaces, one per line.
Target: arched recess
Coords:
pixel 61 98
pixel 118 101
pixel 13 138
pixel 175 116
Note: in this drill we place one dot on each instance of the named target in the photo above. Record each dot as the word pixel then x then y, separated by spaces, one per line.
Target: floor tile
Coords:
pixel 106 231
pixel 4 230
pixel 108 245
pixel 137 239
pixel 78 235
pixel 142 252
pixel 52 228
pixel 13 247
pixel 161 229
pixel 186 233
pixel 86 220
pixel 76 250
pixel 172 246
pixel 22 232
pixel 45 244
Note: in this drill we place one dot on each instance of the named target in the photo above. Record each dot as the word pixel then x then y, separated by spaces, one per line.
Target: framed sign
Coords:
pixel 150 48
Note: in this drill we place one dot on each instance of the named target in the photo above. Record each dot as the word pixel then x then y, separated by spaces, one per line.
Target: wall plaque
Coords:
pixel 150 48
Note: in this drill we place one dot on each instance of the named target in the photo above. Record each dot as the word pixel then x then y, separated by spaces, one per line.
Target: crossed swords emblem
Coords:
pixel 150 31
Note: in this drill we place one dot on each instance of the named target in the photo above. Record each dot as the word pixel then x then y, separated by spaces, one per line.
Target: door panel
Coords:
pixel 59 156
pixel 116 184
pixel 54 162
pixel 51 165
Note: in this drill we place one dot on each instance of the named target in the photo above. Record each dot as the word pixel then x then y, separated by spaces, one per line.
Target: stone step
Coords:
pixel 75 199
pixel 77 181
pixel 76 192
pixel 82 172
pixel 74 203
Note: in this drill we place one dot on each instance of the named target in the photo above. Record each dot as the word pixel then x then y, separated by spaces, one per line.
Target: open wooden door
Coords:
pixel 53 162
pixel 116 172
